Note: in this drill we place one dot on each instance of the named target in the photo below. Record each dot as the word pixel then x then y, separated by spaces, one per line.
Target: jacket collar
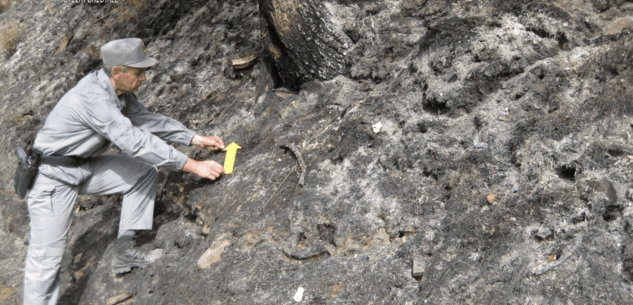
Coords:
pixel 104 80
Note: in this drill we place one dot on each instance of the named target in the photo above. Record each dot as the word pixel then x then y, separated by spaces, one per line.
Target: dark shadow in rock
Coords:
pixel 449 32
pixel 435 107
pixel 567 172
pixel 612 212
pixel 579 218
pixel 90 249
pixel 165 211
pixel 198 183
pixel 326 232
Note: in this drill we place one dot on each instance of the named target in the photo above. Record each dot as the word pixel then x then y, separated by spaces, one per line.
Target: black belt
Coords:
pixel 62 160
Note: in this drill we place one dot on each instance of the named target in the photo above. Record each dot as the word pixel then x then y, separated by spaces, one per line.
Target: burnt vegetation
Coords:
pixel 502 139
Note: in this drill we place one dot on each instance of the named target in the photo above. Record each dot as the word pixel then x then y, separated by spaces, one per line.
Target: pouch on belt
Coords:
pixel 26 170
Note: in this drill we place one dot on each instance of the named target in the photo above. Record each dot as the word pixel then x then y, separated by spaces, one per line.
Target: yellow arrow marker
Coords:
pixel 229 160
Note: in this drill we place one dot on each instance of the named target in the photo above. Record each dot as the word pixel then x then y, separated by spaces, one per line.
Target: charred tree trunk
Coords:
pixel 302 40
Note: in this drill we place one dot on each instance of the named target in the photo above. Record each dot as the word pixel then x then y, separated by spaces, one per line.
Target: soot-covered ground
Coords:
pixel 501 170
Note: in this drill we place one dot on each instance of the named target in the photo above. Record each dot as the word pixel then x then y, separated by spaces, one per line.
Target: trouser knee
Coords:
pixel 147 180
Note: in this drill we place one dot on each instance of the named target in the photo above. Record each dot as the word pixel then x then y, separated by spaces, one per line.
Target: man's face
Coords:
pixel 129 81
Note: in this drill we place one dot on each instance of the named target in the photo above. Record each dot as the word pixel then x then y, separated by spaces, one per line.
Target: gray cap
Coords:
pixel 129 52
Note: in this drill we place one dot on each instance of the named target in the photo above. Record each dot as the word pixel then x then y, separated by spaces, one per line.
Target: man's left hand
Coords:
pixel 210 143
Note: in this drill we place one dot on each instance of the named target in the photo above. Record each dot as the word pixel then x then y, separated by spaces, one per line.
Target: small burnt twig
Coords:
pixel 279 187
pixel 562 259
pixel 302 164
pixel 306 253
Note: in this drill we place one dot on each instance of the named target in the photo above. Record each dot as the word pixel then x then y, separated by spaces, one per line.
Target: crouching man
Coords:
pixel 99 110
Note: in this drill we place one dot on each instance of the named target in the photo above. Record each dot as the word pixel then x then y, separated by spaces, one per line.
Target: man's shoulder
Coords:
pixel 91 89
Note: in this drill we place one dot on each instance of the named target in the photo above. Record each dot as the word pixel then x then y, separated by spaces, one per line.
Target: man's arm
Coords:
pixel 104 117
pixel 205 169
pixel 171 130
pixel 210 143
pixel 159 125
pixel 167 128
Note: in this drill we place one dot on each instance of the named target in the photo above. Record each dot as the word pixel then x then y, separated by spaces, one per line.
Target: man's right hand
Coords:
pixel 205 169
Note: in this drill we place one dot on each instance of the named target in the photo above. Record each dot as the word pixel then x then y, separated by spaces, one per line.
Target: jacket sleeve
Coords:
pixel 105 118
pixel 163 127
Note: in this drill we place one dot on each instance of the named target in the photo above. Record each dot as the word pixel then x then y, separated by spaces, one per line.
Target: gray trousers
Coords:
pixel 51 205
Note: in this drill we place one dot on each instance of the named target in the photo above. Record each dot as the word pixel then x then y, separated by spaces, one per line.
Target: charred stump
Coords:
pixel 302 41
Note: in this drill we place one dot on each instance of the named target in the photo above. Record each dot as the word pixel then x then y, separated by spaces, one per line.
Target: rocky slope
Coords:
pixel 501 171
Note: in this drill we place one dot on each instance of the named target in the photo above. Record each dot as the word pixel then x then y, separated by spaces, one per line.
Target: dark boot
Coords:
pixel 127 256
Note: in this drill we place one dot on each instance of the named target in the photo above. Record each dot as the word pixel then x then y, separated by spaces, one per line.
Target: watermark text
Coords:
pixel 90 1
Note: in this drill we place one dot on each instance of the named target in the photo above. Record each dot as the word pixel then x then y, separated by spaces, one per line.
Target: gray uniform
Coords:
pixel 82 124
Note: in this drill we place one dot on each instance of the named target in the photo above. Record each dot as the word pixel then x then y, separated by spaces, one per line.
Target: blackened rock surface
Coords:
pixel 526 100
pixel 304 40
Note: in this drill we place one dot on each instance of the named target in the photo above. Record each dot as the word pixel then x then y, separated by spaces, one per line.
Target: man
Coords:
pixel 100 109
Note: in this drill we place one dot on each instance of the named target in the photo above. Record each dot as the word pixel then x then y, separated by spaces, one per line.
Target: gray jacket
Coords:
pixel 90 116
